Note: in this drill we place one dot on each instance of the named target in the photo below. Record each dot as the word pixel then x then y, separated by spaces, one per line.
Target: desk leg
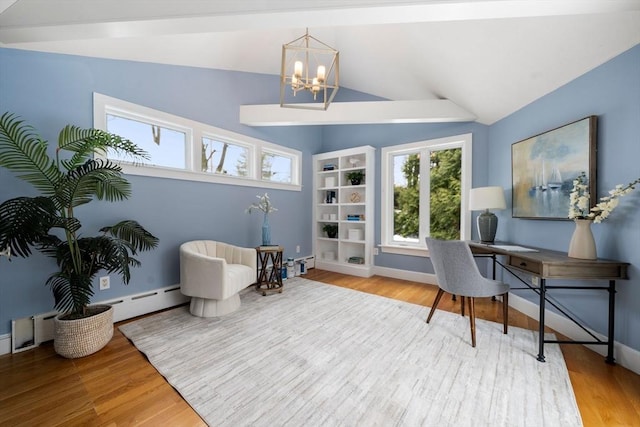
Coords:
pixel 493 262
pixel 543 291
pixel 493 275
pixel 612 311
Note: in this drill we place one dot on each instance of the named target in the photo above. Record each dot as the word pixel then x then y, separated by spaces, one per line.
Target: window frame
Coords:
pixel 195 131
pixel 465 142
pixel 295 177
pixel 251 153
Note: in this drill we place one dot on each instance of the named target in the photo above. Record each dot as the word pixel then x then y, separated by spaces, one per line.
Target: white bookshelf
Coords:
pixel 350 207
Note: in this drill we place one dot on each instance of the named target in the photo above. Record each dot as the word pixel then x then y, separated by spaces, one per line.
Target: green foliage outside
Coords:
pixel 445 196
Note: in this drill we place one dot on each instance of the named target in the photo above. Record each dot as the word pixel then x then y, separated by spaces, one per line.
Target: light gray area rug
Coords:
pixel 321 355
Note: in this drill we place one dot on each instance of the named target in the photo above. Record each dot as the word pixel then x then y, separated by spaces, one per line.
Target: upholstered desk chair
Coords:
pixel 458 274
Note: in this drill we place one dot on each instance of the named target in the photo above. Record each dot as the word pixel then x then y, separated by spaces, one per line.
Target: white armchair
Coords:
pixel 213 273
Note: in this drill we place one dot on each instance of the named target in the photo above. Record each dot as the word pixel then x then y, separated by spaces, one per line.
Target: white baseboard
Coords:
pixel 413 276
pixel 624 355
pixel 5 343
pixel 358 270
pixel 146 302
pixel 123 308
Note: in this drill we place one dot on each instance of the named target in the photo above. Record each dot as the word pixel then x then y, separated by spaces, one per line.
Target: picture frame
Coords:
pixel 544 166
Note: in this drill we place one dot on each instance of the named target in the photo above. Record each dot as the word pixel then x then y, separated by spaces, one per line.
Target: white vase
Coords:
pixel 582 245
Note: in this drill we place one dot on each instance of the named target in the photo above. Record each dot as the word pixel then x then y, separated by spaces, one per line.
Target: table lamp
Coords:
pixel 485 198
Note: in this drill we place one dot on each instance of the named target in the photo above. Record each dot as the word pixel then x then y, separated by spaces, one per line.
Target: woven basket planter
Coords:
pixel 82 337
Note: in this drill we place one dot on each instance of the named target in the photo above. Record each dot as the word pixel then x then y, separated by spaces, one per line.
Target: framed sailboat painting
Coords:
pixel 544 166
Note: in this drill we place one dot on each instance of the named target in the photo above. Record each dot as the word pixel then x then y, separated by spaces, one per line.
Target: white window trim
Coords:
pixel 251 149
pixel 420 249
pixel 295 171
pixel 102 105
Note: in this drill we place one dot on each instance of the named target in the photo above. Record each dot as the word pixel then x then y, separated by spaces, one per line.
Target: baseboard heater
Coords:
pixel 31 331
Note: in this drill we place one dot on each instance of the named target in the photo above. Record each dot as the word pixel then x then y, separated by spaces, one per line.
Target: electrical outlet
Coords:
pixel 105 283
pixel 298 249
pixel 376 251
pixel 534 281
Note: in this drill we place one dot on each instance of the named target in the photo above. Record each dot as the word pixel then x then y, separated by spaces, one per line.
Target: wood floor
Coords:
pixel 118 387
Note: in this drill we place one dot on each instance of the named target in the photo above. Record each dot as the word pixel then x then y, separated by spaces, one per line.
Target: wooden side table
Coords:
pixel 269 279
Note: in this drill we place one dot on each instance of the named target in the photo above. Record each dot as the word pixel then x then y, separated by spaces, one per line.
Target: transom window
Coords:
pixel 224 157
pixel 184 149
pixel 276 167
pixel 166 146
pixel 424 189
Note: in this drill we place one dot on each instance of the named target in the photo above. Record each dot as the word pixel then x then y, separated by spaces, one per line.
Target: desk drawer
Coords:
pixel 525 265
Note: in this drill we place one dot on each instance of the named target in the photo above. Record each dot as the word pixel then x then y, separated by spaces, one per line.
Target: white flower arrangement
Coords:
pixel 263 205
pixel 579 200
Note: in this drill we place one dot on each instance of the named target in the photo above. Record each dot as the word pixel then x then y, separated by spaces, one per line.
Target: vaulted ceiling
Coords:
pixel 488 57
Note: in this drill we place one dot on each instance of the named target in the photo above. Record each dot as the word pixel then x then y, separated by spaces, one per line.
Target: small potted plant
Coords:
pixel 355 177
pixel 331 230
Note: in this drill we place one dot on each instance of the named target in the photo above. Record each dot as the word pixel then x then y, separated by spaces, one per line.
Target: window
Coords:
pixel 424 189
pixel 224 157
pixel 184 149
pixel 165 146
pixel 276 167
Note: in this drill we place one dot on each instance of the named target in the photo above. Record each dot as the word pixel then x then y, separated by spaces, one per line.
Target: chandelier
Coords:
pixel 309 74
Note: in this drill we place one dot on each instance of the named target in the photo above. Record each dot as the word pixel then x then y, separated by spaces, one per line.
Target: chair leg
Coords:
pixel 472 320
pixel 462 305
pixel 505 310
pixel 435 304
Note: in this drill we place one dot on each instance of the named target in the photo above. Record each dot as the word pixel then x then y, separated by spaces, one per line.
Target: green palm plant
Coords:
pixel 48 223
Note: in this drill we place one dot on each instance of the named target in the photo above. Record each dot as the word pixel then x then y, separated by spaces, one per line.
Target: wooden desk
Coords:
pixel 269 278
pixel 547 264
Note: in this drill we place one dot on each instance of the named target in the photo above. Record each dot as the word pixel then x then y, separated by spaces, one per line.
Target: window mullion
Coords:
pixel 425 185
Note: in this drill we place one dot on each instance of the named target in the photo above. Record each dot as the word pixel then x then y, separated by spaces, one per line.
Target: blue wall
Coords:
pixel 378 136
pixel 51 90
pixel 611 92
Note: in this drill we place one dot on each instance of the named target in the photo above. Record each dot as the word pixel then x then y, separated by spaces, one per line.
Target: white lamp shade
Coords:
pixel 482 198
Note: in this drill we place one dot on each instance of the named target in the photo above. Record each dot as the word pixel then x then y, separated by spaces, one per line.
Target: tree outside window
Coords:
pixel 427 196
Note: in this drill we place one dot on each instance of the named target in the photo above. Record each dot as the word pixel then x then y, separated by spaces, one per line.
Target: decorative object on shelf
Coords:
pixel 355 234
pixel 355 260
pixel 485 198
pixel 329 256
pixel 355 176
pixel 48 222
pixel 355 197
pixel 355 217
pixel 330 181
pixel 266 207
pixel 353 161
pixel 329 167
pixel 331 230
pixel 330 197
pixel 300 57
pixel 582 243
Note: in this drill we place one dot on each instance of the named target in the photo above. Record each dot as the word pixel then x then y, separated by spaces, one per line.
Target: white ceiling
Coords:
pixel 488 57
